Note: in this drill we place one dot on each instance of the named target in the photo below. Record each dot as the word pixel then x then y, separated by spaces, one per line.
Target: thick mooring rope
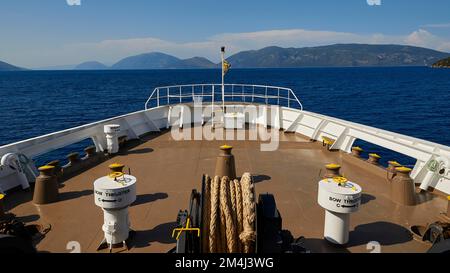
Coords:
pixel 223 220
pixel 239 212
pixel 214 237
pixel 206 214
pixel 248 235
pixel 232 215
pixel 225 207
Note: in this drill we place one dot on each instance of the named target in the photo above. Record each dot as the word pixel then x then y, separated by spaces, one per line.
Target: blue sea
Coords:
pixel 408 100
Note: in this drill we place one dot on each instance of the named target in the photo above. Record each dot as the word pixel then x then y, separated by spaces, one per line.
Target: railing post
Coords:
pixel 212 105
pixel 192 93
pixel 266 95
pixel 278 97
pixel 157 97
pixel 243 98
pixel 289 99
pixel 253 93
pixel 180 93
pixel 232 92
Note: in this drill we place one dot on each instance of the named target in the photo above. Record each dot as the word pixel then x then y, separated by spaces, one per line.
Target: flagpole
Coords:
pixel 223 80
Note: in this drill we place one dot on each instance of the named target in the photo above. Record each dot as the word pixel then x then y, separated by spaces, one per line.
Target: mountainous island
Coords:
pixel 92 65
pixel 338 55
pixel 445 63
pixel 9 67
pixel 157 60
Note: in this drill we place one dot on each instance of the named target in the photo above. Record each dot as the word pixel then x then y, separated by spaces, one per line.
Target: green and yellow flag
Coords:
pixel 225 67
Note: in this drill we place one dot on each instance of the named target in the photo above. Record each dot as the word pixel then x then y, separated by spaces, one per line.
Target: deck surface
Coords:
pixel 167 171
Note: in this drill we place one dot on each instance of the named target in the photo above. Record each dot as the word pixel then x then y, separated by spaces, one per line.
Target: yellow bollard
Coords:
pixel 373 159
pixel 356 151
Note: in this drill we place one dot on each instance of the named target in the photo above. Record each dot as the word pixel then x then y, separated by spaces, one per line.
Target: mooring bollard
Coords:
pixel 2 207
pixel 90 152
pixel 73 158
pixel 57 171
pixel 374 159
pixel 122 141
pixel 402 187
pixel 391 169
pixel 448 206
pixel 91 157
pixel 116 168
pixel 46 186
pixel 74 165
pixel 225 164
pixel 332 170
pixel 356 151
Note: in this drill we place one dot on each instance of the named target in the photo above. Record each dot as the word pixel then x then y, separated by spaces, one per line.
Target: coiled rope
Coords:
pixel 248 235
pixel 239 211
pixel 214 237
pixel 229 215
pixel 206 212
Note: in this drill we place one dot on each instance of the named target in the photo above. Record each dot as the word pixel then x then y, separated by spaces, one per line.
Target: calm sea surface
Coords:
pixel 414 101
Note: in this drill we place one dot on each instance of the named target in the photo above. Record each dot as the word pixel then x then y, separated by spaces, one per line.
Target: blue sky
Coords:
pixel 50 32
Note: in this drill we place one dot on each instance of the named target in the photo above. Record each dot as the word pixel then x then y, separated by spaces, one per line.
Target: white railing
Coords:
pixel 245 93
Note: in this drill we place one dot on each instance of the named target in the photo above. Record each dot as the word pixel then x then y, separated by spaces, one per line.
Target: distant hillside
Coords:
pixel 146 61
pixel 9 67
pixel 337 55
pixel 445 63
pixel 196 62
pixel 157 60
pixel 92 65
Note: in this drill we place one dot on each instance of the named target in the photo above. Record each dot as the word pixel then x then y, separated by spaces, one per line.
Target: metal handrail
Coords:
pixel 211 91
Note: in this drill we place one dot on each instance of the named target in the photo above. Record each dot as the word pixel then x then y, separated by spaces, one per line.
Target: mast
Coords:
pixel 223 79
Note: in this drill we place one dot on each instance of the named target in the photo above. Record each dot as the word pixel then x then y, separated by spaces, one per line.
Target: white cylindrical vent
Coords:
pixel 339 198
pixel 114 195
pixel 112 137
